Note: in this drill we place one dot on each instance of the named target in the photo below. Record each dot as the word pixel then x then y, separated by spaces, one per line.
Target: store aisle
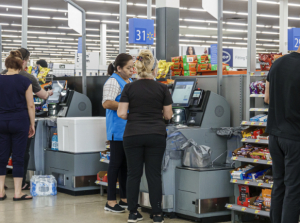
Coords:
pixel 62 209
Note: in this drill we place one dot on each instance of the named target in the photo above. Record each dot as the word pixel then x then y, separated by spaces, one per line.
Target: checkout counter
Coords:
pixel 69 165
pixel 196 193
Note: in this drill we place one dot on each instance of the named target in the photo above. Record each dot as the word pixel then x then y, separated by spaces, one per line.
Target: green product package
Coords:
pixel 214 67
pixel 186 66
pixel 200 61
pixel 189 59
pixel 186 73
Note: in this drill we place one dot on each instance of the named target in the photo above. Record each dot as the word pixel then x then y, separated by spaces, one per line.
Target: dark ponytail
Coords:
pixel 121 61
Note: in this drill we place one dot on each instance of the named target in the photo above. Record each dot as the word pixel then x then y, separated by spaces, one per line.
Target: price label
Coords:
pixel 269 162
pixel 244 209
pixel 260 184
pixel 234 181
pixel 234 158
pixel 257 212
pixel 251 74
pixel 229 206
pixel 246 182
pixel 272 186
pixel 102 160
pixel 244 123
pixel 252 123
pixel 262 73
pixel 261 96
pixel 244 140
pixel 255 161
pixel 261 123
pixel 257 140
pixel 260 110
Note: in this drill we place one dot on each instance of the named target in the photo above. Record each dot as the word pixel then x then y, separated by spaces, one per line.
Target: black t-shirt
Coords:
pixel 146 100
pixel 35 84
pixel 284 108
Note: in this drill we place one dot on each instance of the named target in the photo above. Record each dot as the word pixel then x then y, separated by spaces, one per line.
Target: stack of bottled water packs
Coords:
pixel 43 185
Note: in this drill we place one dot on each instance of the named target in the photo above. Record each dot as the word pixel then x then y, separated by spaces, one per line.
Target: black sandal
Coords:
pixel 23 198
pixel 3 198
pixel 27 187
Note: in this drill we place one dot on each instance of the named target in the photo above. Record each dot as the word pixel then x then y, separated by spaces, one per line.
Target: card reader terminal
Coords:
pixel 197 96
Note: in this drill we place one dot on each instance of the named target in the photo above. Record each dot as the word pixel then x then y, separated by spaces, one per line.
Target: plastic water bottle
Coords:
pixel 54 142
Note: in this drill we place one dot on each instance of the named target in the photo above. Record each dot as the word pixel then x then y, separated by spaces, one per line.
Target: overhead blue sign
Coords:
pixel 293 39
pixel 227 55
pixel 214 54
pixel 80 45
pixel 141 31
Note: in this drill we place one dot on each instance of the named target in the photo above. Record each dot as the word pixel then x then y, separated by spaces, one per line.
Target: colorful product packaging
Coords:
pixel 204 59
pixel 176 66
pixel 190 66
pixel 204 67
pixel 177 72
pixel 176 59
pixel 189 59
pixel 35 71
pixel 189 73
pixel 42 75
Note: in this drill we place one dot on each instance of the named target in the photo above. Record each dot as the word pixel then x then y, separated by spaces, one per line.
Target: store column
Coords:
pixel 123 26
pixel 103 40
pixel 167 29
pixel 284 23
pixel 24 22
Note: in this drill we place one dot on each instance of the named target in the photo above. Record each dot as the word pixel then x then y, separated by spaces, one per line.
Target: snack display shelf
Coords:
pixel 104 160
pixel 263 124
pixel 250 160
pixel 257 95
pixel 37 103
pixel 256 141
pixel 259 74
pixel 251 183
pixel 259 109
pixel 9 167
pixel 103 183
pixel 235 207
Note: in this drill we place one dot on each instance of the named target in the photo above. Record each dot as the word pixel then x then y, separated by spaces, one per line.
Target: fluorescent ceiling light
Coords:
pixel 4 24
pixel 195 9
pixel 294 18
pixel 92 20
pixel 107 21
pixel 268 16
pixel 38 17
pixel 59 18
pixel 10 6
pixel 142 5
pixel 46 9
pixel 61 27
pixel 93 29
pixel 36 32
pixel 229 12
pixel 268 2
pixel 10 15
pixel 99 13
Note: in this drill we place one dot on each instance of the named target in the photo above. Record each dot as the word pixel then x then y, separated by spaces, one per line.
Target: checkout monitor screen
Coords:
pixel 57 88
pixel 182 93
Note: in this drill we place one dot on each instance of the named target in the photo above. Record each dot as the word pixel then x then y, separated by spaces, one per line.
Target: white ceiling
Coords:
pixel 50 38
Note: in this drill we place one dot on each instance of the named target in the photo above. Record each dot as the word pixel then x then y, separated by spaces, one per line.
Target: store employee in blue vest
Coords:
pixel 120 71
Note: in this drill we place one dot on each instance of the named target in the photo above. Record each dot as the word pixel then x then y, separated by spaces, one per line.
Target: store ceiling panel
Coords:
pixel 49 36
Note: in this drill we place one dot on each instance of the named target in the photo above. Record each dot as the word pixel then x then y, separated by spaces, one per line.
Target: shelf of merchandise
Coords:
pixel 259 74
pixel 250 160
pixel 251 183
pixel 256 141
pixel 9 167
pixel 259 109
pixel 104 161
pixel 246 123
pixel 257 95
pixel 37 103
pixel 103 183
pixel 239 208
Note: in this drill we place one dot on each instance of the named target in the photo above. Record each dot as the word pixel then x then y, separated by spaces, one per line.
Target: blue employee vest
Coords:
pixel 115 126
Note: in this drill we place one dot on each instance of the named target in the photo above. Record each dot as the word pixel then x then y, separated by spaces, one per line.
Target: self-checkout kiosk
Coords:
pixel 196 192
pixel 75 165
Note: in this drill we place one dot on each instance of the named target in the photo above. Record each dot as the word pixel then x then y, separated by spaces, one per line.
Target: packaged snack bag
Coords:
pixel 252 88
pixel 28 69
pixel 190 66
pixel 42 75
pixel 35 71
pixel 266 194
pixel 260 87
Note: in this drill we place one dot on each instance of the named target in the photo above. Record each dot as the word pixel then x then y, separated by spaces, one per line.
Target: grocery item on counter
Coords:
pixel 163 68
pixel 190 66
pixel 28 69
pixel 189 59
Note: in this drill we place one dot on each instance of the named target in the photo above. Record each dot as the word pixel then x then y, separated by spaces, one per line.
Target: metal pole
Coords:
pixel 0 48
pixel 84 88
pixel 123 26
pixel 251 58
pixel 283 21
pixel 103 44
pixel 149 14
pixel 220 46
pixel 24 22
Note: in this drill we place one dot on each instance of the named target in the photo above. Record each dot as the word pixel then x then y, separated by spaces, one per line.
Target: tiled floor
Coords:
pixel 62 209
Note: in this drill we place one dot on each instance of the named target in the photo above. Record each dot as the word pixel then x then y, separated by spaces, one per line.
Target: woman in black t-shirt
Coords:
pixel 149 103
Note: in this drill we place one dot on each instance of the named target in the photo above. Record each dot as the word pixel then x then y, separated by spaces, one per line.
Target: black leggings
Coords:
pixel 117 169
pixel 148 149
pixel 26 161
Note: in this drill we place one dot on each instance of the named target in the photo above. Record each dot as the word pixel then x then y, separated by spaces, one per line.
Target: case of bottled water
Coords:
pixel 43 185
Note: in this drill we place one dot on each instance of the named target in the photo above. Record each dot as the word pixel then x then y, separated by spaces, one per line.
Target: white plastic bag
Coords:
pixel 196 156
